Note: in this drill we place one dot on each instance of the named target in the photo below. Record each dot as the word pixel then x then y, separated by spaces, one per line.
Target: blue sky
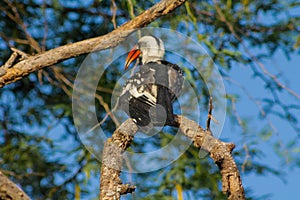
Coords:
pixel 270 184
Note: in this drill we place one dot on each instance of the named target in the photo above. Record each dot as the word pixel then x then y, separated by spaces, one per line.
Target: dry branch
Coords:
pixel 9 190
pixel 112 39
pixel 111 186
pixel 209 116
pixel 220 152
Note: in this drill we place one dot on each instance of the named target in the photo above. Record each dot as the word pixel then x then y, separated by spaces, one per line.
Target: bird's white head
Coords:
pixel 149 48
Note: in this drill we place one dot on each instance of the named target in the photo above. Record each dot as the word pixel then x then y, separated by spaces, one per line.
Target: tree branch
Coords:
pixel 9 190
pixel 209 115
pixel 112 39
pixel 220 152
pixel 111 186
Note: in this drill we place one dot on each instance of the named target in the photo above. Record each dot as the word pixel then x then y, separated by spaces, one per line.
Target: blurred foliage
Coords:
pixel 39 147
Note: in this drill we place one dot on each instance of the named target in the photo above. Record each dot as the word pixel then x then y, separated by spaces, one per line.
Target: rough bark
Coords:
pixel 111 186
pixel 220 152
pixel 10 191
pixel 21 67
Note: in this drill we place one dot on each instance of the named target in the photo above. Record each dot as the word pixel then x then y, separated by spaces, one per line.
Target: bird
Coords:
pixel 148 95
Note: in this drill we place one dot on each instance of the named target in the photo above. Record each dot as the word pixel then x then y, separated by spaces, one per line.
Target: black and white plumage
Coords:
pixel 148 95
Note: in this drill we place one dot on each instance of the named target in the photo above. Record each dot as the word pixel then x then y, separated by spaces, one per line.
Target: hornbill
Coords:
pixel 148 95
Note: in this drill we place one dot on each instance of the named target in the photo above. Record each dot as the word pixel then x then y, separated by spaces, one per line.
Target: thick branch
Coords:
pixel 220 152
pixel 111 186
pixel 112 39
pixel 9 190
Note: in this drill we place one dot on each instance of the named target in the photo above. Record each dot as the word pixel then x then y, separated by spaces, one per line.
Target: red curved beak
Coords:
pixel 133 55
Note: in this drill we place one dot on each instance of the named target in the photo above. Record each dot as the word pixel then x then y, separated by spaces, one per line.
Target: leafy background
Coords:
pixel 255 44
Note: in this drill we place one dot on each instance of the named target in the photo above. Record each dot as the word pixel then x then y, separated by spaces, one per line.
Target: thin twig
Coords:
pixel 9 63
pixel 254 58
pixel 21 53
pixel 246 157
pixel 18 20
pixel 131 9
pixel 209 116
pixel 45 25
pixel 114 9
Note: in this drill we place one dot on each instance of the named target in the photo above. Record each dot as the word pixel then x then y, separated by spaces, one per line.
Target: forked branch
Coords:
pixel 111 184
